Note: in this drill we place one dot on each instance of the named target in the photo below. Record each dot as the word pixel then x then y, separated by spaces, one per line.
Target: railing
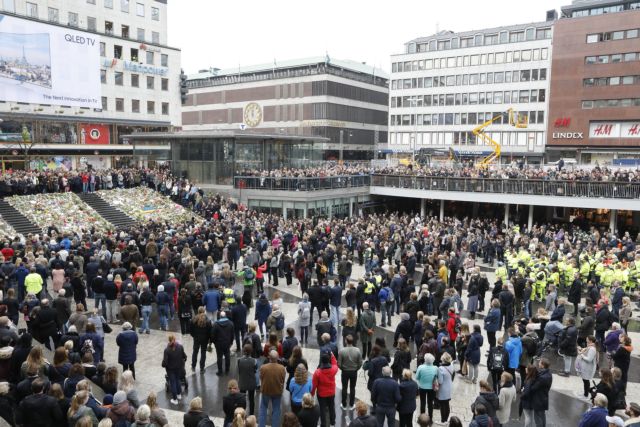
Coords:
pixel 300 183
pixel 612 190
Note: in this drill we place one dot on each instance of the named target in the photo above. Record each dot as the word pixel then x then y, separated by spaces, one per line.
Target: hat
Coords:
pixel 119 397
pixel 107 399
pixel 634 407
pixel 404 316
pixel 616 421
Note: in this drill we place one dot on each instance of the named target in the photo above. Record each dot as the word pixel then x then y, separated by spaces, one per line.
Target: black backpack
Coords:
pixel 497 360
pixel 205 422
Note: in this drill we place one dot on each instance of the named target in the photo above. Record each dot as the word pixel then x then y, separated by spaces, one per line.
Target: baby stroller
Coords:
pixel 183 382
pixel 552 332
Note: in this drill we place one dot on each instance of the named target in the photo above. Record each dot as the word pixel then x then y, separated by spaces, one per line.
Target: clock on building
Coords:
pixel 252 114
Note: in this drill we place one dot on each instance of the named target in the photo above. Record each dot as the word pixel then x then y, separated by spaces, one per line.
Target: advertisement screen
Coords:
pixel 94 134
pixel 46 64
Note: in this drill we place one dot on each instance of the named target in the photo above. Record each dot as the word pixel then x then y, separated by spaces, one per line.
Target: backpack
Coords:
pixel 205 422
pixel 457 325
pixel 122 422
pixel 87 347
pixel 497 360
pixel 248 274
pixel 390 296
pixel 307 275
pixel 306 313
pixel 279 323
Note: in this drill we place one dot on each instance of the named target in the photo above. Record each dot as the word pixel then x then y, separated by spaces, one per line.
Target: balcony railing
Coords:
pixel 300 183
pixel 611 190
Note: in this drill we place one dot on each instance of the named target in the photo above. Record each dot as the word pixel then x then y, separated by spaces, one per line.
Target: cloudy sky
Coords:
pixel 225 34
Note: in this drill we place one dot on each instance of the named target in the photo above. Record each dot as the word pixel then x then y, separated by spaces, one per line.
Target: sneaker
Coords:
pixel 174 401
pixel 564 374
pixel 344 408
pixel 148 332
pixel 179 397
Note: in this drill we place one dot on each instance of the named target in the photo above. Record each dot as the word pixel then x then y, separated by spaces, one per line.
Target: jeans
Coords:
pixel 386 412
pixel 174 383
pixel 275 410
pixel 386 309
pixel 262 328
pixel 349 380
pixel 568 360
pixel 335 315
pixel 223 352
pixel 112 310
pixel 540 418
pixel 327 404
pixel 163 312
pixel 304 334
pixel 129 367
pixel 202 346
pixel 527 308
pixel 98 298
pixel 397 303
pixel 473 371
pixel 529 418
pixel 251 396
pixel 146 314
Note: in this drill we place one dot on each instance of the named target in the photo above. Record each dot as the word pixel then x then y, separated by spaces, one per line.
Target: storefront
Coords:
pixel 340 207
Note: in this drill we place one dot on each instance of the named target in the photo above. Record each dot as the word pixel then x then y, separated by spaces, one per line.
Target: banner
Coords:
pixel 614 129
pixel 47 64
pixel 94 134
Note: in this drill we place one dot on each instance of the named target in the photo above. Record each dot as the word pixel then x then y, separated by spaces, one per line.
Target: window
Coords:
pixel 124 31
pixel 108 4
pixel 149 57
pixel 119 104
pixel 603 59
pixel 544 53
pixel 630 57
pixel 150 82
pixel 165 108
pixel 151 107
pixel 164 60
pixel 104 103
pixel 155 37
pixel 632 34
pixel 530 33
pixel 134 55
pixel 103 76
pixel 140 34
pixel 9 6
pixel 516 36
pixel 617 35
pixel 164 84
pixel 54 15
pixel 139 9
pixel 526 55
pixel 124 6
pixel 73 19
pixel 32 10
pixel 590 60
pixel 108 27
pixel 103 49
pixel 614 81
pixel 135 80
pixel 155 14
pixel 615 58
pixel 135 105
pixel 117 51
pixel 91 1
pixel 91 23
pixel 118 76
pixel 593 38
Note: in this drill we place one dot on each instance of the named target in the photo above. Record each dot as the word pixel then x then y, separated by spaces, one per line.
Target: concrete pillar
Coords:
pixel 305 212
pixel 284 211
pixel 423 208
pixel 530 220
pixel 506 215
pixel 351 206
pixel 441 210
pixel 613 220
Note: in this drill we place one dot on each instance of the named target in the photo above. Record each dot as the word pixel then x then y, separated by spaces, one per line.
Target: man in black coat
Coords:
pixel 315 297
pixel 506 299
pixel 540 392
pixel 575 292
pixel 47 323
pixel 568 345
pixel 222 335
pixel 238 315
pixel 62 308
pixel 404 329
pixel 39 409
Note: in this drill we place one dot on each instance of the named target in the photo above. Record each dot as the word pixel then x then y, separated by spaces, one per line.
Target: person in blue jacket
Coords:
pixel 597 415
pixel 492 322
pixel 514 348
pixel 263 310
pixel 162 301
pixel 211 301
pixel 127 341
pixel 472 355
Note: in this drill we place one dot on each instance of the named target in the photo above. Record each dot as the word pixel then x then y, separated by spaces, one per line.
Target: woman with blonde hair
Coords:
pixel 349 327
pixel 239 417
pixel 625 313
pixel 309 415
pixel 127 384
pixel 157 417
pixel 299 385
pixel 35 363
pixel 195 413
pixel 79 409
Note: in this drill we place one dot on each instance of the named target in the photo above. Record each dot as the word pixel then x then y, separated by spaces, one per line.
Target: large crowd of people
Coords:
pixel 558 290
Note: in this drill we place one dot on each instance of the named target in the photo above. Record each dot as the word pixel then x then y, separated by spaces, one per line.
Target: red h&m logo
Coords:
pixel 562 122
pixel 602 130
pixel 634 130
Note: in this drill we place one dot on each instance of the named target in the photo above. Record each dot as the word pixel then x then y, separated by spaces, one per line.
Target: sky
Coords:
pixel 228 33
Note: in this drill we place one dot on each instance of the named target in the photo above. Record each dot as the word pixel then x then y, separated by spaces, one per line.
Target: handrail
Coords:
pixel 556 188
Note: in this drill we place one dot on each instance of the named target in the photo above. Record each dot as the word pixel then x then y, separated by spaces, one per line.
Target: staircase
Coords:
pixel 19 222
pixel 115 216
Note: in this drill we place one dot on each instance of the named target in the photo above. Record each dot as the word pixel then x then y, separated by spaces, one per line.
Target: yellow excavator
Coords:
pixel 516 119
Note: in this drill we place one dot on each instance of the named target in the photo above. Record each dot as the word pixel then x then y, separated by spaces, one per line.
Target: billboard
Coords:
pixel 94 134
pixel 47 64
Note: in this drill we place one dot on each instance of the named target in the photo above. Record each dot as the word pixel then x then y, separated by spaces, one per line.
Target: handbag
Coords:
pixel 106 328
pixel 435 385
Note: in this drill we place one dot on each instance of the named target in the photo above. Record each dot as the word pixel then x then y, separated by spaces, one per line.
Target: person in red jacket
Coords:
pixel 451 325
pixel 324 382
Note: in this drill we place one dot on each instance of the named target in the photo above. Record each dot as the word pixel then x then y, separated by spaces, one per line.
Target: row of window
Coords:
pixel 603 10
pixel 135 106
pixel 613 35
pixel 613 58
pixel 473 98
pixel 134 55
pixel 53 15
pixel 124 7
pixel 118 77
pixel 347 113
pixel 610 103
pixel 341 90
pixel 471 79
pixel 611 81
pixel 446 119
pixel 513 138
pixel 502 37
pixel 524 55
